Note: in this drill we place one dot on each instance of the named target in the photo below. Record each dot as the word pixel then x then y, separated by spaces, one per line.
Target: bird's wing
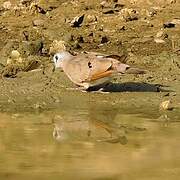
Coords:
pixel 121 58
pixel 84 68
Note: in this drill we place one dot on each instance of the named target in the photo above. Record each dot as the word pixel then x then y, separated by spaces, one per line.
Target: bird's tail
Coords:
pixel 133 70
pixel 124 68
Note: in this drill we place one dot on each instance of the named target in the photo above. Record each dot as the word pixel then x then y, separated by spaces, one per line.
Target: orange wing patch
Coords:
pixel 101 75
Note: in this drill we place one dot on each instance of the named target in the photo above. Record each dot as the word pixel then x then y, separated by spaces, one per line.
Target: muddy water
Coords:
pixel 90 141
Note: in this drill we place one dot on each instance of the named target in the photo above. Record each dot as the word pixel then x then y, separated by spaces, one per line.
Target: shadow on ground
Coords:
pixel 133 87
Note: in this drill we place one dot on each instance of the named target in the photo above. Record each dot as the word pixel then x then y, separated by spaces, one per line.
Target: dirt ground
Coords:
pixel 148 32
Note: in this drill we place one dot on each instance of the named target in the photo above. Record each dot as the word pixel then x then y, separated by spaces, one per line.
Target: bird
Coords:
pixel 88 70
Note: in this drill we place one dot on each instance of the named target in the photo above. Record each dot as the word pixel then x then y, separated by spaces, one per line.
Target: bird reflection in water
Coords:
pixel 95 124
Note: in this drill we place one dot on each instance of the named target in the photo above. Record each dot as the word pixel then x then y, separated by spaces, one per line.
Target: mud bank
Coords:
pixel 147 32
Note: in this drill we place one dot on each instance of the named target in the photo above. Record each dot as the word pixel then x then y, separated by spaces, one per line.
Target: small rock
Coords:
pixel 38 22
pixel 77 21
pixel 122 28
pixel 160 37
pixel 118 6
pixel 170 1
pixel 129 14
pixel 77 45
pixel 159 40
pixel 36 8
pixel 91 18
pixel 9 61
pixel 105 4
pixel 14 58
pixel 15 54
pixel 104 39
pixel 166 105
pixel 57 46
pixel 91 34
pixel 168 25
pixel 44 51
pixel 152 12
pixel 167 94
pixel 80 39
pixel 25 2
pixel 101 28
pixel 161 34
pixel 111 11
pixel 7 5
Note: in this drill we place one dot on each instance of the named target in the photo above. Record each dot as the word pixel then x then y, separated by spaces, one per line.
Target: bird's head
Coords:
pixel 60 57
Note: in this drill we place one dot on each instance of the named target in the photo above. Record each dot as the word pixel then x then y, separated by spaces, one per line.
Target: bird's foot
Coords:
pixel 101 90
pixel 77 89
pixel 91 90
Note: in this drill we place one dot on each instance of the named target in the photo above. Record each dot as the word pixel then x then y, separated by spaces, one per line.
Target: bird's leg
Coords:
pixel 100 88
pixel 78 88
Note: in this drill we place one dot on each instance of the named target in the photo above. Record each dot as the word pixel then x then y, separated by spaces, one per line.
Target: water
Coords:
pixel 94 142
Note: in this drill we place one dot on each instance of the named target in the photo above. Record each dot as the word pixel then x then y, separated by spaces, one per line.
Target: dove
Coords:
pixel 89 69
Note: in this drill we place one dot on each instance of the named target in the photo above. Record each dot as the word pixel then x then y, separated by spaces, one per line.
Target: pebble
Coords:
pixel 7 5
pixel 122 28
pixel 111 11
pixel 160 37
pixel 25 2
pixel 159 40
pixel 77 21
pixel 152 12
pixel 168 25
pixel 171 1
pixel 91 18
pixel 129 14
pixel 15 54
pixel 104 4
pixel 80 39
pixel 15 57
pixel 38 22
pixel 104 39
pixel 118 6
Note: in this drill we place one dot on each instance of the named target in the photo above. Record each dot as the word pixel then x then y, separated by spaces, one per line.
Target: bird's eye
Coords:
pixel 56 58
